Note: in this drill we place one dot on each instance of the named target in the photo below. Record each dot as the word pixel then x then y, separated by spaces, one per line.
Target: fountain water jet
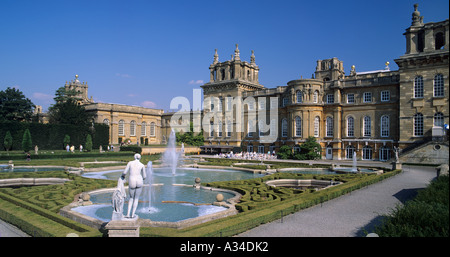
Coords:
pixel 354 168
pixel 170 156
pixel 150 191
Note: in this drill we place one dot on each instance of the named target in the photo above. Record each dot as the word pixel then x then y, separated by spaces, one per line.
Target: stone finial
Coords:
pixel 387 66
pixel 417 20
pixel 252 58
pixel 236 54
pixel 216 57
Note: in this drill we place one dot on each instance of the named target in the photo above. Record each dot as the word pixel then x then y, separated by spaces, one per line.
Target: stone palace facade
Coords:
pixel 367 112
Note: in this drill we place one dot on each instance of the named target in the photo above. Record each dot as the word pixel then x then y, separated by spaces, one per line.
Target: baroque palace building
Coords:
pixel 135 124
pixel 369 113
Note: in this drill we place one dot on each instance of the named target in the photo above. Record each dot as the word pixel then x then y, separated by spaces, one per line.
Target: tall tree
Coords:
pixel 66 110
pixel 14 106
pixel 26 141
pixel 8 141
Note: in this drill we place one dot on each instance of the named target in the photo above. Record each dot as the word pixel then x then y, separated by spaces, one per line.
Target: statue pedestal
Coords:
pixel 123 228
pixel 396 166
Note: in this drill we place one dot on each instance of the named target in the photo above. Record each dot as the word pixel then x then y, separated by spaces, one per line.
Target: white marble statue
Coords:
pixel 118 200
pixel 136 178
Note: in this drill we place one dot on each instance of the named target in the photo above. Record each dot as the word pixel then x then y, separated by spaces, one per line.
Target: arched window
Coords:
pixel 439 119
pixel 121 128
pixel 367 126
pixel 133 128
pixel 152 129
pixel 329 127
pixel 229 128
pixel 316 126
pixel 316 96
pixel 298 126
pixel 418 124
pixel 384 126
pixel 299 95
pixel 349 150
pixel 144 129
pixel 385 153
pixel 418 87
pixel 350 126
pixel 284 128
pixel 367 153
pixel 438 85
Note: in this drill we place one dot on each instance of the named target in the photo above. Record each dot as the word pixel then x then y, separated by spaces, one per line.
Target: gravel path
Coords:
pixel 350 215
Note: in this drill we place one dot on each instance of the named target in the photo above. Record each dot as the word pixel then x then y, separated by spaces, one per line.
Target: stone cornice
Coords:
pixel 122 108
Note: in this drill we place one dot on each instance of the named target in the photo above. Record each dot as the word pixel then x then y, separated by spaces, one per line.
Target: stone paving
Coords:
pixel 351 215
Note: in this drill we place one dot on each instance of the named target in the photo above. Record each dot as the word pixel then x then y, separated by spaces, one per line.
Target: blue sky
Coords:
pixel 145 53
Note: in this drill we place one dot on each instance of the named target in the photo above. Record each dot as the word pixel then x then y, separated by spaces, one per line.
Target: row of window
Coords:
pixel 329 126
pixel 133 125
pixel 385 96
pixel 438 86
pixel 367 151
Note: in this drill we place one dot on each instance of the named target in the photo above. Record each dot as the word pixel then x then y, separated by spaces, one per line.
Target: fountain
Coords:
pixel 149 196
pixel 354 168
pixel 170 156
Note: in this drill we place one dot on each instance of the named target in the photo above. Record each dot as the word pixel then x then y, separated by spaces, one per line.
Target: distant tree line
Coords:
pixel 20 130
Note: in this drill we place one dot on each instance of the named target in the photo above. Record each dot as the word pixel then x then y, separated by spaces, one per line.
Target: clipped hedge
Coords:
pixel 26 224
pixel 51 136
pixel 64 155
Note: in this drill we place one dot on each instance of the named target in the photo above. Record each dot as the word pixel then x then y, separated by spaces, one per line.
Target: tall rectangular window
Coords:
pixel 438 85
pixel 121 128
pixel 298 126
pixel 143 129
pixel 367 97
pixel 152 129
pixel 418 124
pixel 284 128
pixel 367 126
pixel 384 126
pixel 350 127
pixel 329 127
pixel 418 87
pixel 316 126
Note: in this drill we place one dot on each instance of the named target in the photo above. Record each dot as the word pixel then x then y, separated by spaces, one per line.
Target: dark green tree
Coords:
pixel 14 106
pixel 66 109
pixel 26 141
pixel 8 141
pixel 285 152
pixel 309 150
pixel 88 143
pixel 190 138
